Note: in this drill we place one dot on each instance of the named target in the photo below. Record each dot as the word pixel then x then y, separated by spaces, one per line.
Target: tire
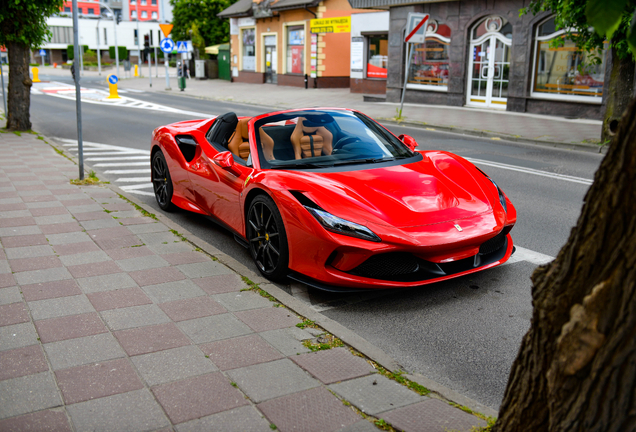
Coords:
pixel 162 182
pixel 267 238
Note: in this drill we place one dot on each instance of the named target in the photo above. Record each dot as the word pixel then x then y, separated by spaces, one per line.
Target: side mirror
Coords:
pixel 409 141
pixel 225 160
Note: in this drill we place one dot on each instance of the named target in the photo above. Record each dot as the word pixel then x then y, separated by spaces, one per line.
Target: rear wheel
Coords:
pixel 161 182
pixel 267 238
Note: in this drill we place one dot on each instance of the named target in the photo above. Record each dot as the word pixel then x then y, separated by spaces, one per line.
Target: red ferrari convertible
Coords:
pixel 331 198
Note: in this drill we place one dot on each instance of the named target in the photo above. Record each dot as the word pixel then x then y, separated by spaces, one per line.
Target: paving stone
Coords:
pixel 333 365
pixel 76 248
pixel 106 283
pixel 109 233
pixel 6 280
pixel 17 222
pixel 55 219
pixel 22 361
pixel 240 352
pixel 67 238
pixel 20 231
pixel 237 301
pixel 142 263
pixel 15 200
pixel 135 220
pixel 173 364
pixel 48 211
pixel 376 398
pixel 157 276
pixel 148 228
pixel 287 340
pixel 17 335
pixel 213 328
pixel 115 299
pixel 61 228
pixel 135 316
pixel 100 223
pixel 35 192
pixel 98 256
pixel 48 204
pixel 39 276
pixel 35 263
pixel 28 252
pixel 171 248
pixel 186 258
pixel 15 214
pixel 41 421
pixel 70 327
pixel 221 284
pixel 27 394
pixel 290 413
pixel 197 397
pixel 432 415
pixel 119 242
pixel 117 207
pixel 58 307
pixel 94 269
pixel 268 318
pixel 129 252
pixel 14 313
pixel 12 295
pixel 169 291
pixel 71 197
pixel 90 349
pixel 360 426
pixel 266 381
pixel 244 419
pixel 86 209
pixel 4 266
pixel 25 240
pixel 128 214
pixel 204 269
pixel 156 238
pixel 151 339
pixel 132 411
pixel 197 307
pixel 95 380
pixel 11 207
pixel 91 215
pixel 38 198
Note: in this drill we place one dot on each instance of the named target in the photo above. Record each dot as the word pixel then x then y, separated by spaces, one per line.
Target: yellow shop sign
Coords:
pixel 331 25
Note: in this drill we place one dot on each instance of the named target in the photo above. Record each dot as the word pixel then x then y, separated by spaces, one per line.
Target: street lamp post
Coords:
pixel 138 37
pixel 99 59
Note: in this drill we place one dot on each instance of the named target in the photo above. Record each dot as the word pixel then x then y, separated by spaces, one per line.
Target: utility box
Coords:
pixel 224 62
pixel 199 69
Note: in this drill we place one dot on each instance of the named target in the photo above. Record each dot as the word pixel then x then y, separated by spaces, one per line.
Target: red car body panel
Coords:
pixel 440 209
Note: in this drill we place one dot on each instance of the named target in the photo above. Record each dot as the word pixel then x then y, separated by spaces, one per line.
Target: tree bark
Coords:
pixel 19 98
pixel 619 93
pixel 576 368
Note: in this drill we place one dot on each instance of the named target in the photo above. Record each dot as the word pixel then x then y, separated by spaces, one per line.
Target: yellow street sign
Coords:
pixel 166 29
pixel 331 25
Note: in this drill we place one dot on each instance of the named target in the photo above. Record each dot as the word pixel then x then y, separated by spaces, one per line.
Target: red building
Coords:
pixel 147 9
pixel 84 8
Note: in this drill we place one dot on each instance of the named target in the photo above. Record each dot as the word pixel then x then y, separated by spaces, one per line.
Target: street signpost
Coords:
pixel 167 46
pixel 42 55
pixel 78 93
pixel 415 33
pixel 182 47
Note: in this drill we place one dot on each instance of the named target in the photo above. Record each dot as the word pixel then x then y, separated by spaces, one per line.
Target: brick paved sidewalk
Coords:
pixel 109 321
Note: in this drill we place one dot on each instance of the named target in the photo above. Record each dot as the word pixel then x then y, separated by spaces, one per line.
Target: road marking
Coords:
pixel 145 163
pixel 523 254
pixel 532 171
pixel 118 158
pixel 137 171
pixel 133 179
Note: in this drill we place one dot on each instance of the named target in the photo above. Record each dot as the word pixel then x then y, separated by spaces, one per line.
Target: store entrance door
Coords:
pixel 270 64
pixel 489 70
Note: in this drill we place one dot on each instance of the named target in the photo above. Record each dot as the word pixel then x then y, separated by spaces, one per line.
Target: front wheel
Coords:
pixel 161 182
pixel 267 238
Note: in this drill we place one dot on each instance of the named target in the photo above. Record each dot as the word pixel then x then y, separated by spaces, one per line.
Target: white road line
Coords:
pixel 118 158
pixel 523 254
pixel 138 192
pixel 556 176
pixel 147 171
pixel 133 179
pixel 146 163
pixel 146 185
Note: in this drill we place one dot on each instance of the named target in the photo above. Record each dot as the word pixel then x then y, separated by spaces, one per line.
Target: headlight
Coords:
pixel 341 226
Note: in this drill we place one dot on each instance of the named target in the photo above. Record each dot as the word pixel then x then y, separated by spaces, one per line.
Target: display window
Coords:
pixel 296 49
pixel 377 56
pixel 429 67
pixel 249 49
pixel 563 71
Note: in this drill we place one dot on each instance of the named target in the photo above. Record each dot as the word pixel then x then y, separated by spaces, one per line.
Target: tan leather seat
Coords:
pixel 239 143
pixel 311 141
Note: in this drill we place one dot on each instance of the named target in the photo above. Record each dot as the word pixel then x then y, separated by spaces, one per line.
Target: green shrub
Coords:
pixel 70 51
pixel 123 52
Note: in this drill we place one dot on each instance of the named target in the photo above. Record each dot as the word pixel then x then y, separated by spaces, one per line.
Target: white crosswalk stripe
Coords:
pixel 135 180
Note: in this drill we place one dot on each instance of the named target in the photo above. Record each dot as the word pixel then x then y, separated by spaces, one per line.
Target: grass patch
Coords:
pixel 178 234
pixel 306 323
pixel 398 377
pixel 325 342
pixel 88 181
pixel 252 286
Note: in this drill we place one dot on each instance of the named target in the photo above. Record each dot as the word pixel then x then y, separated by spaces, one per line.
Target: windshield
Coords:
pixel 324 138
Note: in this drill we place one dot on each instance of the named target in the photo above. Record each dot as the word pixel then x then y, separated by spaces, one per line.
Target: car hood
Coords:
pixel 437 189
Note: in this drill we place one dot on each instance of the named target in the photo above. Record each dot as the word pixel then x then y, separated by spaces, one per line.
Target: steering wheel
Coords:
pixel 345 141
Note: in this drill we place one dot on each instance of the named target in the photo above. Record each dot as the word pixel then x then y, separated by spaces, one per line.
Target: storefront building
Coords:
pixel 369 52
pixel 274 42
pixel 483 54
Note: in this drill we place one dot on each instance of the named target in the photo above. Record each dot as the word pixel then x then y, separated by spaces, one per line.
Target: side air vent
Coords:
pixel 187 145
pixel 304 200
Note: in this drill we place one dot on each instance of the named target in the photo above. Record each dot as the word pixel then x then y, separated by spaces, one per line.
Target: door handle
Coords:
pixel 483 70
pixel 497 71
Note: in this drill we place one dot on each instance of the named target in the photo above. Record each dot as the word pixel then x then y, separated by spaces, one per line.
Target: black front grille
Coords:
pixel 387 265
pixel 493 245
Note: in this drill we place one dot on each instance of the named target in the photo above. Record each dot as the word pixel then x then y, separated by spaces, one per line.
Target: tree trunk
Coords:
pixel 576 368
pixel 19 99
pixel 619 93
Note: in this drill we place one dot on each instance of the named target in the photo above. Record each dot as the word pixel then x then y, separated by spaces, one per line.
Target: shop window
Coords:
pixel 296 49
pixel 377 56
pixel 249 49
pixel 429 67
pixel 562 71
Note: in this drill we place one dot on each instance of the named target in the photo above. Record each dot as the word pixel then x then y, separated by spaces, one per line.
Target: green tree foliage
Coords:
pixel 24 22
pixel 214 30
pixel 70 51
pixel 197 40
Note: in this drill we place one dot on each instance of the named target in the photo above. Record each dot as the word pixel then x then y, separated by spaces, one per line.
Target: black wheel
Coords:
pixel 267 238
pixel 161 182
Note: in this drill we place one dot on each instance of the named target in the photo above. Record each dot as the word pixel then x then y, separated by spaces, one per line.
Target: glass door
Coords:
pixel 270 60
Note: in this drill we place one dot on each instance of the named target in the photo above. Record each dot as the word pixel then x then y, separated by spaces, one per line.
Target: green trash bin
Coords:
pixel 182 83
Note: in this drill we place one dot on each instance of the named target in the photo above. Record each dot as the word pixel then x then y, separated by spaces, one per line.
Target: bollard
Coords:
pixel 36 74
pixel 112 86
pixel 54 65
pixel 136 70
pixel 306 82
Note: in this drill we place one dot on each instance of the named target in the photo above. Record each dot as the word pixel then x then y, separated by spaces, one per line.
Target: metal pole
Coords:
pixel 165 61
pixel 99 60
pixel 150 69
pixel 156 63
pixel 81 53
pixel 116 47
pixel 78 94
pixel 406 76
pixel 138 38
pixel 42 58
pixel 4 97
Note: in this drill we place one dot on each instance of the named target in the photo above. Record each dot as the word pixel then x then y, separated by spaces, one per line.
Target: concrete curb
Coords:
pixel 347 336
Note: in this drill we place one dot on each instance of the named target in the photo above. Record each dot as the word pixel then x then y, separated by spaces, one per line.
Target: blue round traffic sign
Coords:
pixel 167 45
pixel 113 79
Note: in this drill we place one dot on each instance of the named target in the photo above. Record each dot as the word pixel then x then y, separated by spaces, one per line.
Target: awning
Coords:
pixel 214 49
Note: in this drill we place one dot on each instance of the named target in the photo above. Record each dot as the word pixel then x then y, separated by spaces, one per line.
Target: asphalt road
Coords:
pixel 463 333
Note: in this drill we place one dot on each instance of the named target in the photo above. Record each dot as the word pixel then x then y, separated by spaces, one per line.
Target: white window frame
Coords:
pixel 429 87
pixel 596 100
pixel 144 14
pixel 305 62
pixel 154 15
pixel 240 56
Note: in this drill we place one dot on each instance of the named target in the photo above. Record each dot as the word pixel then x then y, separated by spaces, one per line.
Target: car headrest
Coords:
pixel 226 128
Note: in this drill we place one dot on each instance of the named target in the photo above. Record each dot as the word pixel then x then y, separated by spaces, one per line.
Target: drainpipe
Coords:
pixel 313 13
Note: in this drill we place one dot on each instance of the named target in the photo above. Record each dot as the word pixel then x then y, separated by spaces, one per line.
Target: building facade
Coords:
pixel 482 53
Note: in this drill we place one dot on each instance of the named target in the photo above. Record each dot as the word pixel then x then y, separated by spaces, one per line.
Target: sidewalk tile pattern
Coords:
pixel 110 322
